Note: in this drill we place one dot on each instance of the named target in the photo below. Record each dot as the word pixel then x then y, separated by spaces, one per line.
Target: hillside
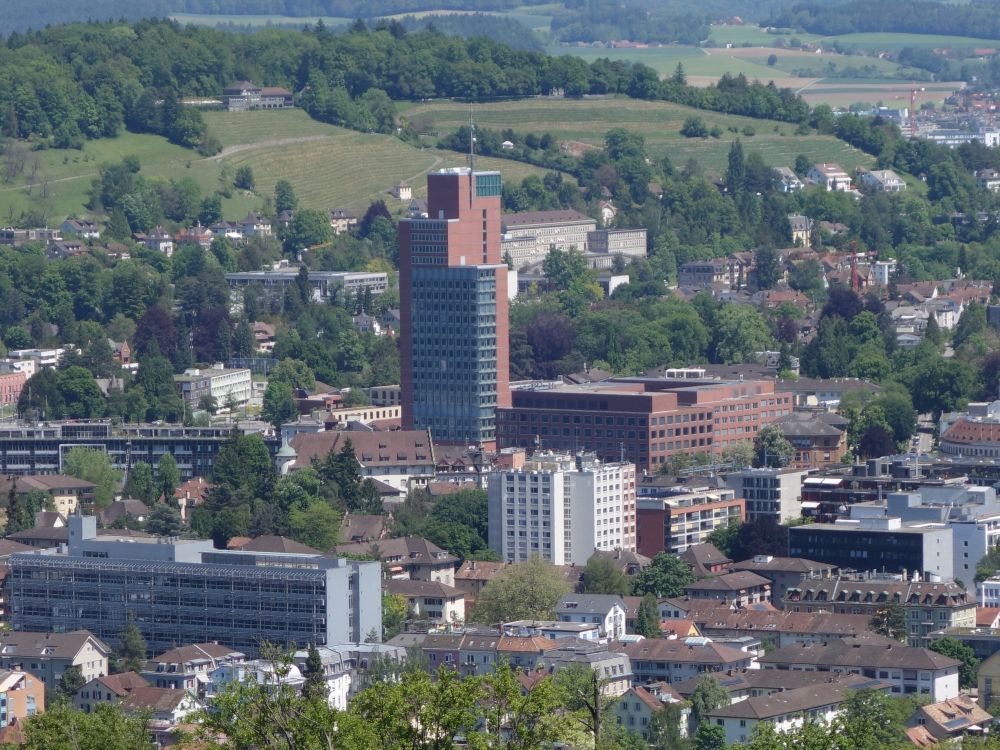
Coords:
pixel 328 166
pixel 587 120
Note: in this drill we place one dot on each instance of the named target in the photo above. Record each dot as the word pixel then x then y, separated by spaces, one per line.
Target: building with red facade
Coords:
pixel 11 384
pixel 454 310
pixel 642 420
pixel 677 520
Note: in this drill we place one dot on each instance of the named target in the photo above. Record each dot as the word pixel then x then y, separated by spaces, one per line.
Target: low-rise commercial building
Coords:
pixel 229 388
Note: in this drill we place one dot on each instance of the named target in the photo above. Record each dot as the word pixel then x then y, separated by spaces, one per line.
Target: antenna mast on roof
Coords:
pixel 472 141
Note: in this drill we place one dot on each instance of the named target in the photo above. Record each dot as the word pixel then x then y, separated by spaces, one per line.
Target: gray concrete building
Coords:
pixel 184 591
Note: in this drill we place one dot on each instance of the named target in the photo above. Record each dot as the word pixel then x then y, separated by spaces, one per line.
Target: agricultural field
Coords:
pixel 328 166
pixel 587 120
pixel 888 42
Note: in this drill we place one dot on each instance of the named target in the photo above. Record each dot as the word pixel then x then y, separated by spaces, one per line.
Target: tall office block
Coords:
pixel 454 310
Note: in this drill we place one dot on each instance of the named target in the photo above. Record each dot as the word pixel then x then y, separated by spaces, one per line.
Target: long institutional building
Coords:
pixel 42 448
pixel 184 591
pixel 529 237
pixel 454 325
pixel 644 420
pixel 561 508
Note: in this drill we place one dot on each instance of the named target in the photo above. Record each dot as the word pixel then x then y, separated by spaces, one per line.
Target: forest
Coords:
pixel 66 84
pixel 977 20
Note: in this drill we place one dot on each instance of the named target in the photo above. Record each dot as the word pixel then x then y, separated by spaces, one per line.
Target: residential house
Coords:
pixel 950 719
pixel 402 458
pixel 429 600
pixel 636 709
pixel 473 575
pixel 818 437
pixel 82 228
pixel 673 661
pixel 831 176
pixel 477 654
pixel 552 629
pixel 243 96
pixel 789 710
pixel 784 572
pixel 776 628
pixel 157 239
pixel 408 558
pixel 191 494
pixel 197 235
pixel 121 351
pixel 988 680
pixel 611 664
pixel 341 220
pixel 881 180
pixel 929 605
pixel 255 224
pixel 22 695
pixel 187 667
pixel 271 543
pixel 606 610
pixel 164 709
pixel 48 655
pixel 788 181
pixel 107 689
pixel 705 560
pixel 361 527
pixel 735 589
pixel 129 512
pixel 910 670
pixel 442 650
pixel 802 228
pixel 988 179
pixel 627 562
pixel 67 492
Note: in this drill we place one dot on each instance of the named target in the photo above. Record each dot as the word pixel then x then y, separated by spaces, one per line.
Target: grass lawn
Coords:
pixel 588 120
pixel 722 34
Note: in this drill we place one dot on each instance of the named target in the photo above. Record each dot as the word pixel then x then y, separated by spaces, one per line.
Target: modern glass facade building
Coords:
pixel 454 310
pixel 184 591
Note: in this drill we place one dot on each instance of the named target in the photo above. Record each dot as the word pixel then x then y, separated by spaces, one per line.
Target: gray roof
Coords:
pixel 869 651
pixel 798 699
pixel 407 587
pixel 588 603
pixel 729 582
pixel 55 645
pixel 781 565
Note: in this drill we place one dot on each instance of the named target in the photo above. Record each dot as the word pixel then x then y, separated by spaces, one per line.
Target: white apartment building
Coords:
pixel 775 494
pixel 219 382
pixel 561 508
pixel 831 176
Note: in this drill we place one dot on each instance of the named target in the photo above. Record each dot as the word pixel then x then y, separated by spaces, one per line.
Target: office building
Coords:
pixel 528 237
pixel 184 591
pixel 42 448
pixel 561 508
pixel 630 243
pixel 647 420
pixel 877 544
pixel 454 310
pixel 325 285
pixel 230 388
pixel 771 494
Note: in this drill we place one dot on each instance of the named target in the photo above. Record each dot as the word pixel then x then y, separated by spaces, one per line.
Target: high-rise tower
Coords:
pixel 454 310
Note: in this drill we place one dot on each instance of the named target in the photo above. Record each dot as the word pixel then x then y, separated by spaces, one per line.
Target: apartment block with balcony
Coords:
pixel 674 522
